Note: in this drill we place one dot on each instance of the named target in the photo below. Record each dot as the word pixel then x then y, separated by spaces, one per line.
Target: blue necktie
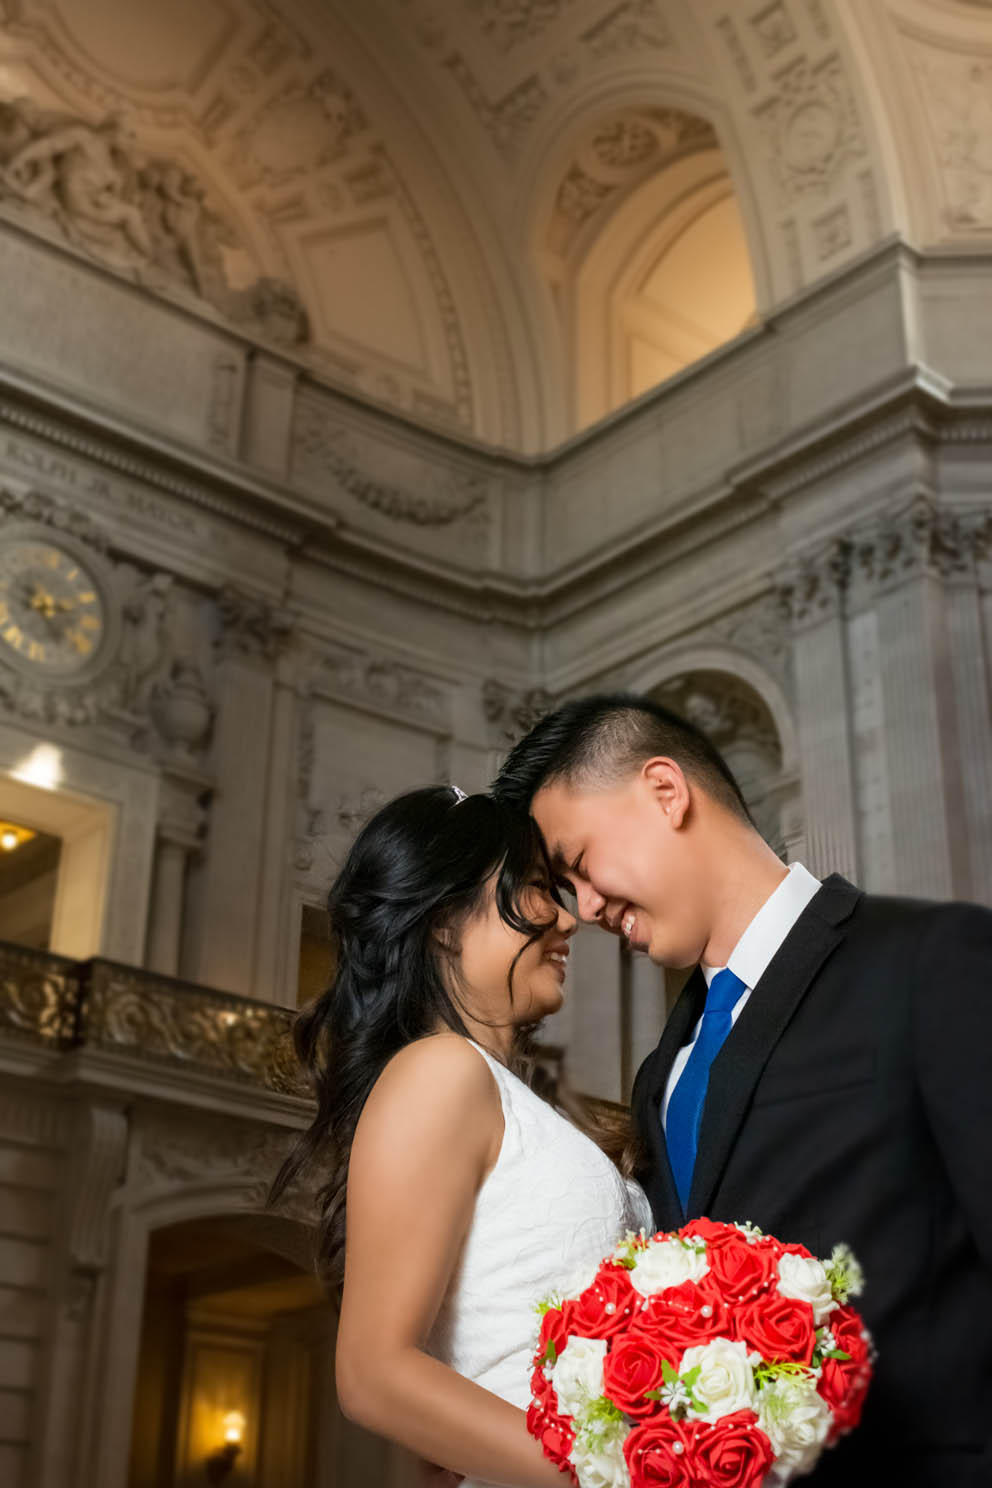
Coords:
pixel 685 1108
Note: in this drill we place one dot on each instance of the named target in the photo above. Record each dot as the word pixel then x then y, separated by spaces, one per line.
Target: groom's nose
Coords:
pixel 588 902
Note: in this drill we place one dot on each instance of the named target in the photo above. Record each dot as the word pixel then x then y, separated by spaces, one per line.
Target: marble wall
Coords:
pixel 304 605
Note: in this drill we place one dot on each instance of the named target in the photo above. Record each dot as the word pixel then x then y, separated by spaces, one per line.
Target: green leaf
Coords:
pixel 550 1355
pixel 837 1354
pixel 668 1372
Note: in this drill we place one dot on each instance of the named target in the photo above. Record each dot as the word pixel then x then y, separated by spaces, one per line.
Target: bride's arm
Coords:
pixel 430 1132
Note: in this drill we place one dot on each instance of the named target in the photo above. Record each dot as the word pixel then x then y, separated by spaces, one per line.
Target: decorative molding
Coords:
pixel 178 1153
pixel 320 450
pixel 513 712
pixel 616 155
pixel 385 683
pixel 190 486
pixel 956 92
pixel 140 215
pixel 738 54
pixel 726 710
pixel 812 128
pixel 832 232
pixel 507 120
pixel 250 625
pixel 774 28
pixel 36 506
pixel 921 539
pixel 39 994
pixel 814 587
pixel 634 26
pixel 96 1167
pixel 509 23
pixel 299 131
pixel 161 1021
pixel 756 629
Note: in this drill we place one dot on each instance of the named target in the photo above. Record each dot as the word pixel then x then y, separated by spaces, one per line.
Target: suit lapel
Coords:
pixel 739 1065
pixel 651 1088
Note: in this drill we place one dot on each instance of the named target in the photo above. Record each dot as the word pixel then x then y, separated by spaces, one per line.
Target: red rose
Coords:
pixel 741 1269
pixel 543 1392
pixel 682 1316
pixel 844 1382
pixel 557 1439
pixel 556 1325
pixel 631 1368
pixel 780 1328
pixel 661 1454
pixel 734 1452
pixel 605 1306
pixel 709 1230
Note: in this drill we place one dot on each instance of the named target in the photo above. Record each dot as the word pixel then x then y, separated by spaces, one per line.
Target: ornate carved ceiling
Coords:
pixel 452 205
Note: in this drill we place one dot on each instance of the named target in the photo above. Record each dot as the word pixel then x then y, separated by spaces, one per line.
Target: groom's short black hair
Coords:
pixel 602 739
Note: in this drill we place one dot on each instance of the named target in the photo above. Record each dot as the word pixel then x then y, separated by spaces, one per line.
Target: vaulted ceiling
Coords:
pixel 505 217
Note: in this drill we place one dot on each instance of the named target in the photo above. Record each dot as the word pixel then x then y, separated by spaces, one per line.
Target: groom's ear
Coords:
pixel 669 788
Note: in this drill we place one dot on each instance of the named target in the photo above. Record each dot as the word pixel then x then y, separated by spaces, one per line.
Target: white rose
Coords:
pixel 796 1421
pixel 667 1263
pixel 805 1279
pixel 578 1374
pixel 599 1461
pixel 725 1382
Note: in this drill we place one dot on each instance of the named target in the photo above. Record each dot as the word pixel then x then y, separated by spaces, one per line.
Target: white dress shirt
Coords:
pixel 752 954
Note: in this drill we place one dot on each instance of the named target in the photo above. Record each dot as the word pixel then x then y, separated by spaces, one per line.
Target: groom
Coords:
pixel 826 1072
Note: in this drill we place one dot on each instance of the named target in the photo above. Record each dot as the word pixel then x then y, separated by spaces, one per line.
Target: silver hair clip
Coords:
pixel 460 795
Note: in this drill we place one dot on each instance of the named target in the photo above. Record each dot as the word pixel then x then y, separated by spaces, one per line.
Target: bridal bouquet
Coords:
pixel 714 1355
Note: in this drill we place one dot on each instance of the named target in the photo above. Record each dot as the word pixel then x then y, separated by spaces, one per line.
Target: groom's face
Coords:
pixel 621 850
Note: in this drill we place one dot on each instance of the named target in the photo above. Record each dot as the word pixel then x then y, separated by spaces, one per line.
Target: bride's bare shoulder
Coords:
pixel 444 1071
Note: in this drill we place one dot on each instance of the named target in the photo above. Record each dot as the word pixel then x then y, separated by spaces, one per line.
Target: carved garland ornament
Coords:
pixel 320 451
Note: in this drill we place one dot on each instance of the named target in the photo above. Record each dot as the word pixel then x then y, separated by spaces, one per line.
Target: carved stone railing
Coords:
pixel 39 996
pixel 62 1004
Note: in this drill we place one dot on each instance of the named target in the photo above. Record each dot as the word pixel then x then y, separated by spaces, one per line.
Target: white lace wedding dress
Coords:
pixel 550 1210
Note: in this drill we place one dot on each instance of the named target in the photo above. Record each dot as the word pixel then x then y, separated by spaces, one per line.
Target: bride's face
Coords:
pixel 487 947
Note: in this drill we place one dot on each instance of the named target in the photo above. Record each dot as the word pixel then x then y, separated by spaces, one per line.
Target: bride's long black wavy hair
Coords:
pixel 420 865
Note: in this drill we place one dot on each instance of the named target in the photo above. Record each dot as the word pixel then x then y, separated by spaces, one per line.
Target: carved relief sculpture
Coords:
pixel 138 214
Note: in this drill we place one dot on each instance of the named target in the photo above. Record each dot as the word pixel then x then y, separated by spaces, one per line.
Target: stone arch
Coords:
pixel 747 715
pixel 606 206
pixel 139 1214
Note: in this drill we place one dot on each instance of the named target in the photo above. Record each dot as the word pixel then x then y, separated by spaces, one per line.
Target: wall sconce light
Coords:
pixel 220 1462
pixel 12 835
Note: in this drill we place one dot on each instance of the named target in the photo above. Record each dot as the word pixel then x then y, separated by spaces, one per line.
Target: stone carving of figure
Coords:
pixel 147 215
pixel 145 655
pixel 84 172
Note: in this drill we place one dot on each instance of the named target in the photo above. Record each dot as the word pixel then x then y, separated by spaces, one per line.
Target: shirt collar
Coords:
pixel 752 954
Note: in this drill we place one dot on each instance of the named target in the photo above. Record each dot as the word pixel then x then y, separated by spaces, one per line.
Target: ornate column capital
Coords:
pixel 250 625
pixel 513 711
pixel 921 539
pixel 813 588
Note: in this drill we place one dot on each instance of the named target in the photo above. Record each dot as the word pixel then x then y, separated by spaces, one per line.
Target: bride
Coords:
pixel 455 1196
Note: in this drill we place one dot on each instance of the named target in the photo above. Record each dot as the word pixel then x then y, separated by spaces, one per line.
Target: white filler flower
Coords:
pixel 805 1278
pixel 578 1374
pixel 796 1421
pixel 599 1461
pixel 667 1263
pixel 725 1382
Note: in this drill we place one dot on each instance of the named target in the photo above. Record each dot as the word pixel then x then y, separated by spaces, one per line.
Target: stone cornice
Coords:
pixel 915 404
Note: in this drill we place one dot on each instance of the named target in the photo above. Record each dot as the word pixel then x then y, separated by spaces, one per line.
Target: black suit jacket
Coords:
pixel 852 1100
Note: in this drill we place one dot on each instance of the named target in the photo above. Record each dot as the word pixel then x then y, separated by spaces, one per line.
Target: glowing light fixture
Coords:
pixel 234 1426
pixel 12 835
pixel 220 1463
pixel 42 767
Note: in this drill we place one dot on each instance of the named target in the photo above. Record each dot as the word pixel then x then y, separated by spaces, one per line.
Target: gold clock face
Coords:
pixel 52 614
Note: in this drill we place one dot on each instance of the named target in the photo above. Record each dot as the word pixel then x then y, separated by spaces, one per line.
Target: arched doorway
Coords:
pixel 235 1379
